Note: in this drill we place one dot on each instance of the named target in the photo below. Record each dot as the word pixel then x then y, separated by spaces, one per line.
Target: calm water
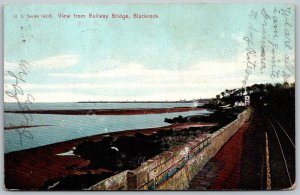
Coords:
pixel 68 127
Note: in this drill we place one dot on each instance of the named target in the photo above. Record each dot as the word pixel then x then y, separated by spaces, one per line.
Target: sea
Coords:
pixel 54 128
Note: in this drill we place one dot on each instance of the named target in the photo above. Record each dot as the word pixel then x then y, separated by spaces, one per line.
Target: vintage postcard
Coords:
pixel 188 97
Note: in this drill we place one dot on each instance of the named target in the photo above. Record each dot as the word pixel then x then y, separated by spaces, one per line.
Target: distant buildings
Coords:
pixel 239 103
pixel 246 101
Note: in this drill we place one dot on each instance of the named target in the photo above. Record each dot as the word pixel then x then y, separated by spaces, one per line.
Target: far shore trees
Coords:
pixel 257 92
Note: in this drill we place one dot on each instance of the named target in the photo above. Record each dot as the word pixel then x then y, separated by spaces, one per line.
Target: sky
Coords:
pixel 191 51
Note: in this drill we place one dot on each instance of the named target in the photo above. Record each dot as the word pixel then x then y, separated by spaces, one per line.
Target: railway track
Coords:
pixel 281 154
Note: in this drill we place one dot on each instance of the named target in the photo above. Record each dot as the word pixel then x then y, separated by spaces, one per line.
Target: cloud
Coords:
pixel 140 76
pixel 199 80
pixel 57 61
pixel 53 62
pixel 206 69
pixel 133 81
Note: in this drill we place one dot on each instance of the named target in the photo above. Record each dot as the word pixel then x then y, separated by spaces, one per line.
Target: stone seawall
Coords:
pixel 172 170
pixel 116 182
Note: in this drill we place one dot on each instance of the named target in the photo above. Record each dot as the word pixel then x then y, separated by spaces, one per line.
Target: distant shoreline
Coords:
pixel 137 111
pixel 188 101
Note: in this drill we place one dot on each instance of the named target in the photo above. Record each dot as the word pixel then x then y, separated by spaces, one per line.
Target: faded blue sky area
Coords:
pixel 191 51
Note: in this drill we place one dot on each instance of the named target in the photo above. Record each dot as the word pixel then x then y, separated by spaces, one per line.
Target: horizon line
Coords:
pixel 119 101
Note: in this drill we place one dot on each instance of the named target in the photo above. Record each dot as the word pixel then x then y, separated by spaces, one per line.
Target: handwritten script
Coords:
pixel 269 44
pixel 17 93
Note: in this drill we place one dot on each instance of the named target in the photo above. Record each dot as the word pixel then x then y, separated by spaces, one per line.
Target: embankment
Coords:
pixel 172 170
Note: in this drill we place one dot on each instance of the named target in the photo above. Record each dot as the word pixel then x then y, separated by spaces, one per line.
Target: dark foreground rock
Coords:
pixel 118 154
pixel 220 116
